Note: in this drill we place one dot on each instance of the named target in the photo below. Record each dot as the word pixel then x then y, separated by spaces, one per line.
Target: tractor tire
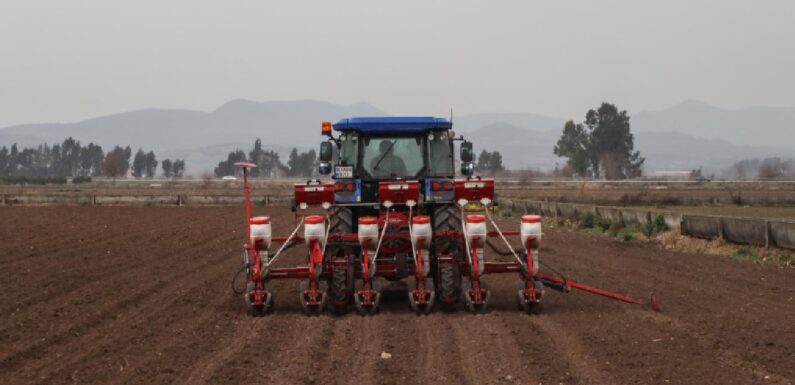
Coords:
pixel 341 219
pixel 448 276
pixel 447 218
pixel 449 285
pixel 339 285
pixel 338 291
pixel 401 259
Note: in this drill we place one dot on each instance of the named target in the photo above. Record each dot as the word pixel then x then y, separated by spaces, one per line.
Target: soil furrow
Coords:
pixel 159 310
pixel 60 331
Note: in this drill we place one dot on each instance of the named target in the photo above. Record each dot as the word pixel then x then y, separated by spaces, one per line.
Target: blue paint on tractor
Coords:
pixel 349 196
pixel 393 125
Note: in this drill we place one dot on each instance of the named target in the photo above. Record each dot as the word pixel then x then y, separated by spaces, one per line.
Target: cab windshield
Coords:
pixel 386 158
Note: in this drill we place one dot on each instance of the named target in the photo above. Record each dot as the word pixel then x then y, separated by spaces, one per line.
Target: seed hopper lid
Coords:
pixel 260 220
pixel 531 218
pixel 314 219
pixel 476 218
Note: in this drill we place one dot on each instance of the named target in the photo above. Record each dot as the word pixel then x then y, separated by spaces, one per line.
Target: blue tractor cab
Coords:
pixel 368 150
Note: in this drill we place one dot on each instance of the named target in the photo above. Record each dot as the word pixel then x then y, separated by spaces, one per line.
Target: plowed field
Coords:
pixel 142 295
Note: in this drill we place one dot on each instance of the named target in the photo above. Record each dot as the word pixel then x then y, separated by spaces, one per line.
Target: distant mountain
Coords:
pixel 687 136
pixel 197 135
pixel 469 123
pixel 756 126
pixel 522 148
pixel 22 140
pixel 674 151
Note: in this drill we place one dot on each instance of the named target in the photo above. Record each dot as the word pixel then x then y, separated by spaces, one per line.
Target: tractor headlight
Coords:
pixel 467 168
pixel 324 168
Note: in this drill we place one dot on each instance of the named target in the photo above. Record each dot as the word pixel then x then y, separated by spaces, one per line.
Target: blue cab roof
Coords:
pixel 393 125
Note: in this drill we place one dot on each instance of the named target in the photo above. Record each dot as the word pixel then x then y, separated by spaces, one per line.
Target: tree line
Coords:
pixel 269 165
pixel 71 159
pixel 489 163
pixel 768 168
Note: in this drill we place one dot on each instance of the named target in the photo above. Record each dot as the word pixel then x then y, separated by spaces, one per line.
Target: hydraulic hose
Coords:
pixel 411 239
pixel 466 236
pixel 497 250
pixel 234 278
pixel 381 238
pixel 284 245
pixel 515 255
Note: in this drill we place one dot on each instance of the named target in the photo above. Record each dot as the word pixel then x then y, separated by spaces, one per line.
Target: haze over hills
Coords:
pixel 534 122
pixel 685 136
pixel 523 148
pixel 201 138
pixel 756 126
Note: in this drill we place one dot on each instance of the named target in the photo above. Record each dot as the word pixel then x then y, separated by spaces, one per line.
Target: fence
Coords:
pixel 747 231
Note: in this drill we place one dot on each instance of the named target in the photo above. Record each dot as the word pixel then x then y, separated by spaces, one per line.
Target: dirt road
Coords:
pixel 142 295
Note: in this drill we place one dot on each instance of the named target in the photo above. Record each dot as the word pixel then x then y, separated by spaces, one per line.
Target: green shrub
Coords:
pixel 659 223
pixel 604 224
pixel 746 252
pixel 615 228
pixel 589 220
pixel 655 226
pixel 648 229
pixel 626 234
pixel 595 222
pixel 784 258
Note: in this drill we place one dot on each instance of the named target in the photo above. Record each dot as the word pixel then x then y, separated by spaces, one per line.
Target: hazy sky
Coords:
pixel 71 60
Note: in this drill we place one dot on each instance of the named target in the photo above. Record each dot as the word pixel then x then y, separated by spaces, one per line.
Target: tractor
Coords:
pixel 393 212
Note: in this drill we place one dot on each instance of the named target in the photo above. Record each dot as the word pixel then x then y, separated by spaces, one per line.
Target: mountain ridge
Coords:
pixel 666 137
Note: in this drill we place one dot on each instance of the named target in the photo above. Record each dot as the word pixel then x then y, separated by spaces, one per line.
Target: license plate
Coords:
pixel 344 171
pixel 398 187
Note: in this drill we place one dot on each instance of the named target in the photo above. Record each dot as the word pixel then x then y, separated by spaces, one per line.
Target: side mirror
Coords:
pixel 467 169
pixel 325 152
pixel 466 152
pixel 324 168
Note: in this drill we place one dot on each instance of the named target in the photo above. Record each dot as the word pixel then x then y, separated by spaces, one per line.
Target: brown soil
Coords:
pixel 142 295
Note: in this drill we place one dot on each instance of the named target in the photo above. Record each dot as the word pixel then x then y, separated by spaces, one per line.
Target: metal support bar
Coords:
pixel 597 291
pixel 501 267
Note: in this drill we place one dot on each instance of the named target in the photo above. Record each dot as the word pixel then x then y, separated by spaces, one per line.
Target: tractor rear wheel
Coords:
pixel 339 285
pixel 402 257
pixel 338 290
pixel 448 275
pixel 341 219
